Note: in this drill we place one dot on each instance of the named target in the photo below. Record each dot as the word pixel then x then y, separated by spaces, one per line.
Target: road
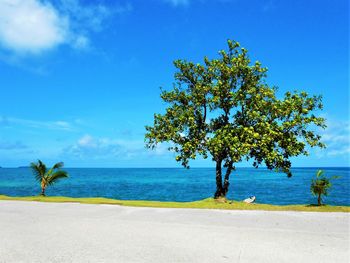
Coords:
pixel 71 232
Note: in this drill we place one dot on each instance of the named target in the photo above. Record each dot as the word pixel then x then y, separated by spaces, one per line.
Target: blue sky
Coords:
pixel 80 79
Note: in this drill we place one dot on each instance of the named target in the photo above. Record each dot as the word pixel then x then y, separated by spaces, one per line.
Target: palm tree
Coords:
pixel 47 177
pixel 320 185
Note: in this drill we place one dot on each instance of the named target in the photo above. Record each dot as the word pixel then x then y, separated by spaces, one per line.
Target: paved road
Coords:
pixel 57 232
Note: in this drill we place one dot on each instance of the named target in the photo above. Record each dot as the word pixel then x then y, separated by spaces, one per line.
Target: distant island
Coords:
pixel 23 166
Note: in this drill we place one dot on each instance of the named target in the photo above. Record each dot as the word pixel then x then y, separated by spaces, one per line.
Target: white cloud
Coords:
pixel 62 124
pixel 81 42
pixel 35 26
pixel 337 138
pixel 103 148
pixel 51 125
pixel 268 6
pixel 333 137
pixel 31 26
pixel 17 145
pixel 178 2
pixel 340 151
pixel 84 17
pixel 88 147
pixel 86 141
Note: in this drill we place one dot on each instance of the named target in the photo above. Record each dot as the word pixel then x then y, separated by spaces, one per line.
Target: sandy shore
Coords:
pixel 70 232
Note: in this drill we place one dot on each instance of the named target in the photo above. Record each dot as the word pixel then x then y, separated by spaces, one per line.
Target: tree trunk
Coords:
pixel 227 178
pixel 42 191
pixel 319 199
pixel 219 189
pixel 222 188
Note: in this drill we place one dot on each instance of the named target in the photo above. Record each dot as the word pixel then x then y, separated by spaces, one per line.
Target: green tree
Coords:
pixel 47 177
pixel 320 185
pixel 224 108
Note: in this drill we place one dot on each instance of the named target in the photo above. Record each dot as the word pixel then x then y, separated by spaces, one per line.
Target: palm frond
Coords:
pixel 37 171
pixel 42 167
pixel 55 177
pixel 319 173
pixel 57 165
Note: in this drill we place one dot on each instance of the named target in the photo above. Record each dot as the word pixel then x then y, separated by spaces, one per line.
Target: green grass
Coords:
pixel 208 203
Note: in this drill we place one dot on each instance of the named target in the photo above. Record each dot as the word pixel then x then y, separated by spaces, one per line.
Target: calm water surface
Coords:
pixel 180 184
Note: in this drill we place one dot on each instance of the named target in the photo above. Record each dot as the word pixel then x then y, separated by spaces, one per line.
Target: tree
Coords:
pixel 224 108
pixel 47 177
pixel 320 186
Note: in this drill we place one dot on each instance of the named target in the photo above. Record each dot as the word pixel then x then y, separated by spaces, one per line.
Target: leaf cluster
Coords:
pixel 45 176
pixel 321 184
pixel 225 109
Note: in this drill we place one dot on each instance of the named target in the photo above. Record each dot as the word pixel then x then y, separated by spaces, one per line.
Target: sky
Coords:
pixel 79 80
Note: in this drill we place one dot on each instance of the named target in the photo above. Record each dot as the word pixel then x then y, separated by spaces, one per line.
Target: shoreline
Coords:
pixel 208 203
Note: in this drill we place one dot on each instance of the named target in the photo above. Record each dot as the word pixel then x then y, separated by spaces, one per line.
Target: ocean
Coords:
pixel 179 184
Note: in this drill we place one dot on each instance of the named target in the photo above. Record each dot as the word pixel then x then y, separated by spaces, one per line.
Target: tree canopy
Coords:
pixel 225 108
pixel 47 177
pixel 320 185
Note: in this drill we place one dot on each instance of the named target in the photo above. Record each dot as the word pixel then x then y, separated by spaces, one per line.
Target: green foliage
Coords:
pixel 47 177
pixel 320 185
pixel 224 108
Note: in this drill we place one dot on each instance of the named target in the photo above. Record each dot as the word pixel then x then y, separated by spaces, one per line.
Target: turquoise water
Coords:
pixel 180 184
